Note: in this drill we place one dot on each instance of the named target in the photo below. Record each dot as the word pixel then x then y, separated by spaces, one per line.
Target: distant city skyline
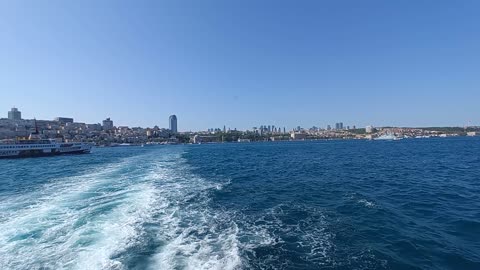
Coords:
pixel 15 114
pixel 243 64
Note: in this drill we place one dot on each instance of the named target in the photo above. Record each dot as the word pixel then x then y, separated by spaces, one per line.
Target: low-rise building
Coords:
pixel 298 136
pixel 64 120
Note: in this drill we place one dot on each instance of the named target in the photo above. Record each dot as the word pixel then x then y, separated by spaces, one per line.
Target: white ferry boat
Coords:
pixel 388 137
pixel 36 147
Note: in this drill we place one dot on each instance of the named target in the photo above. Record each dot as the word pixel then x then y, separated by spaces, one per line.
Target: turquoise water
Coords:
pixel 410 204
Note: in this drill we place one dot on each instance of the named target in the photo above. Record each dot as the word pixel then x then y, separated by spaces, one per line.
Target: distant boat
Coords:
pixel 151 143
pixel 40 147
pixel 422 137
pixel 124 144
pixel 35 146
pixel 388 137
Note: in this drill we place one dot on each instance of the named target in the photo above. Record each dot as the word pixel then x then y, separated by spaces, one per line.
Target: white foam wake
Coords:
pixel 75 222
pixel 193 235
pixel 92 221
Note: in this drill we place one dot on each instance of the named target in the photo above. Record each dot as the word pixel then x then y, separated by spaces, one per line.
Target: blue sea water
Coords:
pixel 410 204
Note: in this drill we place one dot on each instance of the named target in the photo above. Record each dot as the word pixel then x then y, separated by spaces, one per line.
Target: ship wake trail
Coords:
pixel 191 234
pixel 144 212
pixel 77 222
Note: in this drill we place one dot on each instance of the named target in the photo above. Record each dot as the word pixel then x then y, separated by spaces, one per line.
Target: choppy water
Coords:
pixel 411 204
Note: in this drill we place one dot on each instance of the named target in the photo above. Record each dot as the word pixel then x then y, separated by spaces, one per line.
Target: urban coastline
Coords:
pixel 104 134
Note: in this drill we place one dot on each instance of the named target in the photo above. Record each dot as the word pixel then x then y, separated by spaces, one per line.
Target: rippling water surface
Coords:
pixel 411 204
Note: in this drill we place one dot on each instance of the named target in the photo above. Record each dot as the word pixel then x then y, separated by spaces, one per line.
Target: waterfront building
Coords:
pixel 369 129
pixel 107 124
pixel 64 120
pixel 339 126
pixel 14 114
pixel 298 136
pixel 172 121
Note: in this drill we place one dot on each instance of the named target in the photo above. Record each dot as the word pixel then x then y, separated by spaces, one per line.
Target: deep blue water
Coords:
pixel 410 204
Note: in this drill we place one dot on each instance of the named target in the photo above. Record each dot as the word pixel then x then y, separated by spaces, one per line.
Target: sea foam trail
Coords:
pixel 193 235
pixel 104 219
pixel 76 222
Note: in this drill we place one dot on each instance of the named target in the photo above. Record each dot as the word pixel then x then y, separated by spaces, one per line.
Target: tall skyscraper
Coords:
pixel 14 114
pixel 173 123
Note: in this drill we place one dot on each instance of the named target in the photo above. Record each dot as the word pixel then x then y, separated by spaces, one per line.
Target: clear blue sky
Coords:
pixel 242 63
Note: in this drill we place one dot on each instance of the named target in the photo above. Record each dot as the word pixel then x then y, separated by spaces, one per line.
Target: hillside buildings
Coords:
pixel 369 129
pixel 64 120
pixel 67 129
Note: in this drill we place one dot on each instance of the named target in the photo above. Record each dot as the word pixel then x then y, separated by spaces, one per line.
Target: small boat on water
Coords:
pixel 422 137
pixel 388 137
pixel 125 144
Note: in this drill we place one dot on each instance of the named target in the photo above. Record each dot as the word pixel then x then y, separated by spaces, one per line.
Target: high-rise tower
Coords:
pixel 172 121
